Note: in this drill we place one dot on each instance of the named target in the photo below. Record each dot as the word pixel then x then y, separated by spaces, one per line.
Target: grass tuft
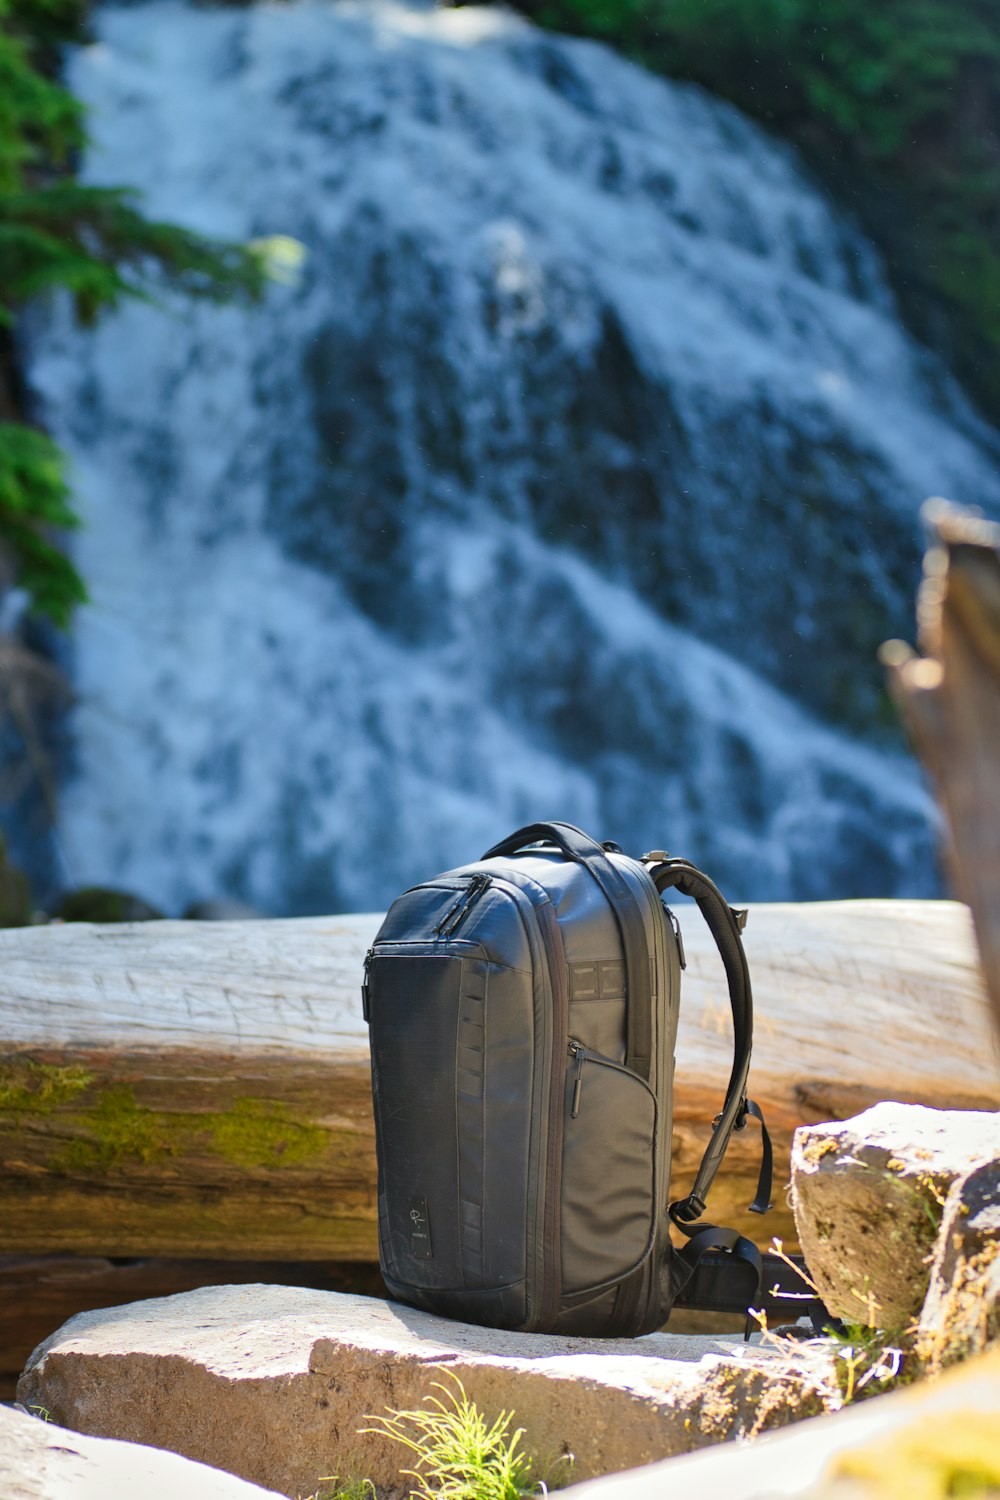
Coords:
pixel 337 1487
pixel 460 1455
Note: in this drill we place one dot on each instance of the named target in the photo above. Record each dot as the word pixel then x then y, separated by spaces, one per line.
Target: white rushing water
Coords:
pixel 577 476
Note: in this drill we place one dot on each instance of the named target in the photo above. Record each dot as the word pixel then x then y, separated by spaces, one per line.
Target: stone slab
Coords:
pixel 921 1441
pixel 275 1383
pixel 41 1461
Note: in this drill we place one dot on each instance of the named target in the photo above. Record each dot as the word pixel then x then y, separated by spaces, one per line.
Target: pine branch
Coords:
pixel 34 496
pixel 93 243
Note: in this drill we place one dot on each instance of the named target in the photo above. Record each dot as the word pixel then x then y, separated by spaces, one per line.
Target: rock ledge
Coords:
pixel 273 1384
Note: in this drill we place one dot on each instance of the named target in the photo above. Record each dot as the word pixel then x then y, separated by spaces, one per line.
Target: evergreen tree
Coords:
pixel 94 243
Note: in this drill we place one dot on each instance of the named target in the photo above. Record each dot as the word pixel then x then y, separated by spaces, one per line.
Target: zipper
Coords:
pixel 366 998
pixel 544 1244
pixel 551 1246
pixel 460 909
pixel 671 960
pixel 579 1056
pixel 448 925
pixel 645 1270
pixel 672 919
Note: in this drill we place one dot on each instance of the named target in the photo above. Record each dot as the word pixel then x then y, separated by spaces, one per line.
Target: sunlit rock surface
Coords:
pixel 576 475
pixel 280 1384
pixel 961 1312
pixel 42 1461
pixel 868 1193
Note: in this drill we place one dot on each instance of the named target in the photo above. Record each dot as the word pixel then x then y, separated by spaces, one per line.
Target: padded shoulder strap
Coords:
pixel 584 850
pixel 725 925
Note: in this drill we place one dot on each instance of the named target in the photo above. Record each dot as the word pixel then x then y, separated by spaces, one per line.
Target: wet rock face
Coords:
pixel 577 476
pixel 276 1383
pixel 867 1194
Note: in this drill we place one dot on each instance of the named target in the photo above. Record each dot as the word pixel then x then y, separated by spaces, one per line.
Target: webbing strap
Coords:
pixel 723 1282
pixel 578 846
pixel 762 1198
pixel 738 1250
pixel 724 925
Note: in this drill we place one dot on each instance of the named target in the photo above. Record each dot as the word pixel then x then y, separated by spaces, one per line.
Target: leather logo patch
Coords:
pixel 420 1229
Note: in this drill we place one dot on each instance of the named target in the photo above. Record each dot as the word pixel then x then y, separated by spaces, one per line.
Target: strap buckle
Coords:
pixel 740 1119
pixel 687 1210
pixel 655 857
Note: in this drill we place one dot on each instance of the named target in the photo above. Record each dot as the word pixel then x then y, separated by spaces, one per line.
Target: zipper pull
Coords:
pixel 453 908
pixel 458 913
pixel 677 934
pixel 365 991
pixel 579 1055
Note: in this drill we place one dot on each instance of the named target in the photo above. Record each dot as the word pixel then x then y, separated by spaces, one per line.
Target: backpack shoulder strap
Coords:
pixel 726 925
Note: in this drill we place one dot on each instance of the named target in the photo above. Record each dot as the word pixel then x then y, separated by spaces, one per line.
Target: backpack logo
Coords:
pixel 420 1230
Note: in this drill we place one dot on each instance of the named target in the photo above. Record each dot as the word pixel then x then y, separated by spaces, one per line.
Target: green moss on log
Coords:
pixel 116 1131
pixel 28 1087
pixel 120 1131
pixel 262 1133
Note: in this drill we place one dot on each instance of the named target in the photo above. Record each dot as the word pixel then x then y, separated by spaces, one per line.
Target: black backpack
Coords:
pixel 523 1013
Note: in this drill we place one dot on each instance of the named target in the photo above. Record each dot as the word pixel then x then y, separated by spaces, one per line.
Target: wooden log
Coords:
pixel 950 700
pixel 202 1089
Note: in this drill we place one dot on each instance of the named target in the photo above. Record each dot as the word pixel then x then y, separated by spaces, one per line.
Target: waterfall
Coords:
pixel 576 475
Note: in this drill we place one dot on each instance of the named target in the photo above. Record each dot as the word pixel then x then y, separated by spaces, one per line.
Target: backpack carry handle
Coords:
pixel 582 849
pixel 725 925
pixel 573 842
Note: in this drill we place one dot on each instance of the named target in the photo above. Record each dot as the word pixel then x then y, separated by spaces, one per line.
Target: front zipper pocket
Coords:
pixel 455 914
pixel 428 1065
pixel 609 1208
pixel 452 1038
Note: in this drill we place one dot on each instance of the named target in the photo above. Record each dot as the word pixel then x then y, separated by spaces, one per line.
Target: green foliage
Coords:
pixel 34 497
pixel 336 1487
pixel 896 101
pixel 872 76
pixel 40 123
pixel 15 893
pixel 870 1361
pixel 96 244
pixel 93 243
pixel 459 1454
pixel 101 903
